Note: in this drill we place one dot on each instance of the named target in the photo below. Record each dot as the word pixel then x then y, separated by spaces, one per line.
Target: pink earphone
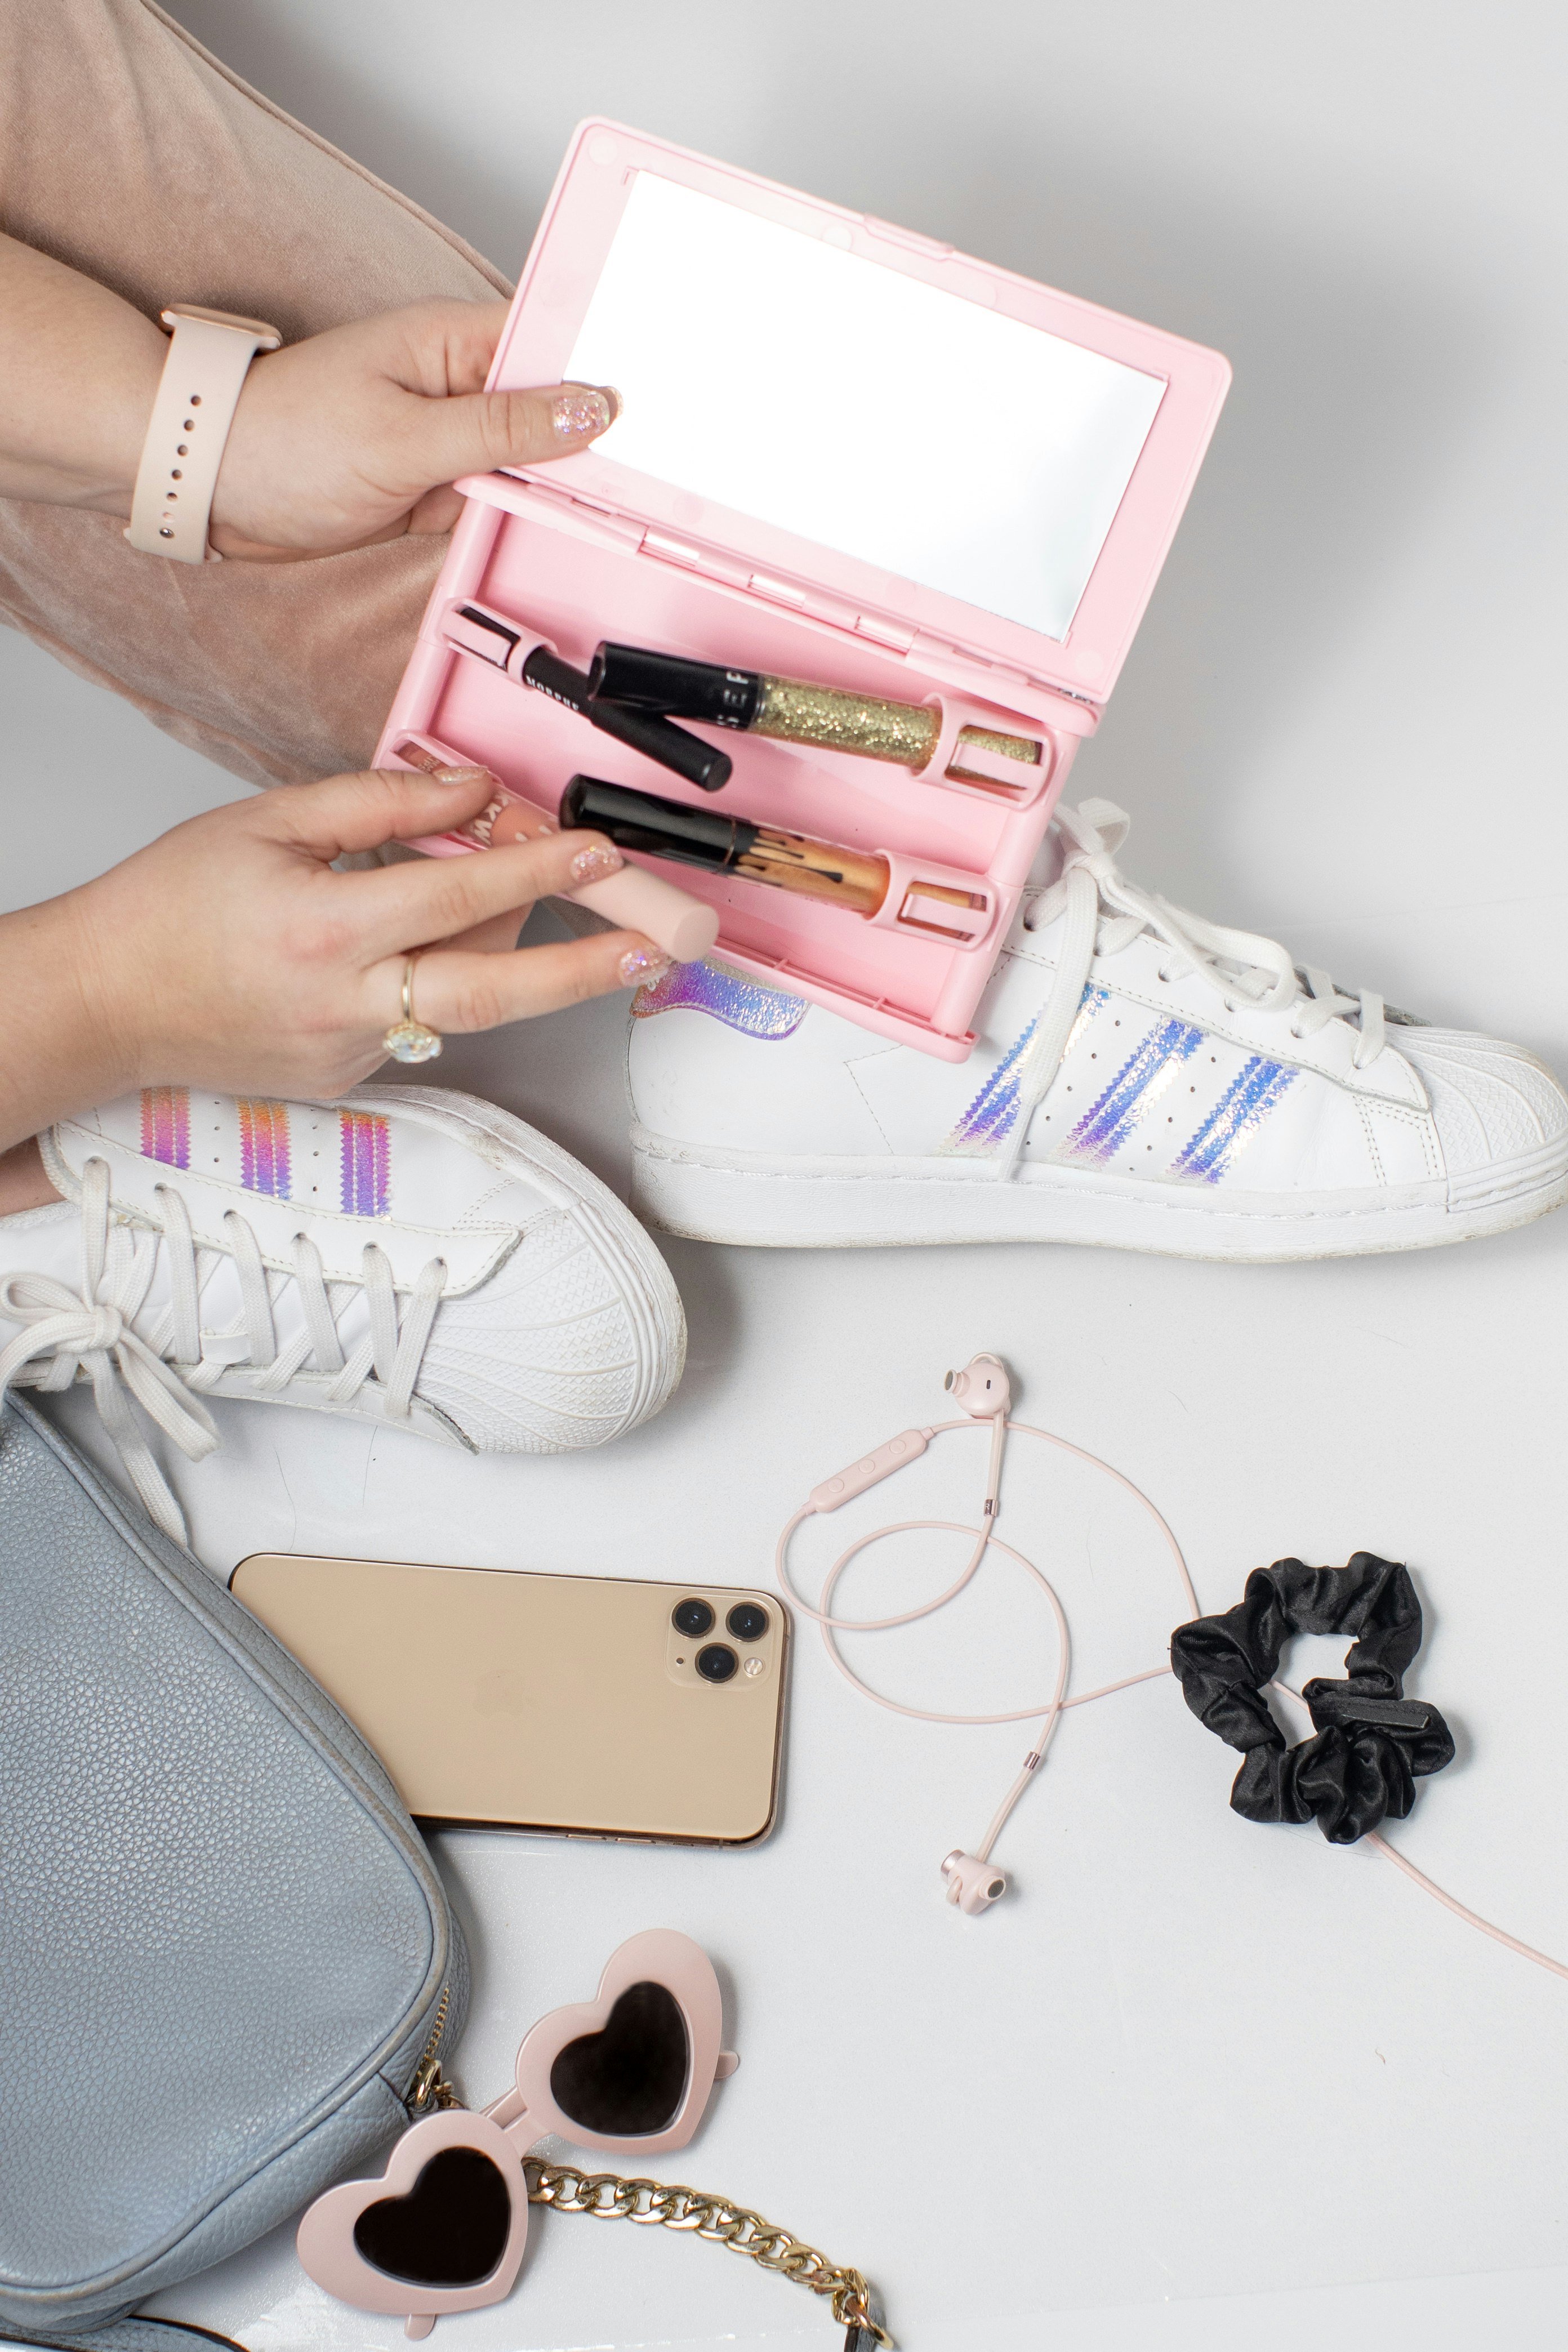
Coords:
pixel 984 1387
pixel 984 1391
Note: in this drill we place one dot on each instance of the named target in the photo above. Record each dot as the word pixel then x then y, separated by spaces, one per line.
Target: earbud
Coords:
pixel 982 1388
pixel 973 1885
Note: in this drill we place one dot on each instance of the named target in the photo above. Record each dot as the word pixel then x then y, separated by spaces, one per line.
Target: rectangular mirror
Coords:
pixel 813 389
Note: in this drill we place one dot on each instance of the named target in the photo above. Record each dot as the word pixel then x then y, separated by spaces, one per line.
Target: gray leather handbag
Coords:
pixel 125 2336
pixel 224 1951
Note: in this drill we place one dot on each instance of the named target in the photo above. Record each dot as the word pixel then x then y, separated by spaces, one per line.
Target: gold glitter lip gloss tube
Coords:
pixel 867 884
pixel 791 710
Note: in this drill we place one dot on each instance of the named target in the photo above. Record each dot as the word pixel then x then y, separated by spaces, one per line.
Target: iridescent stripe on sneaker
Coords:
pixel 1136 1088
pixel 264 1147
pixel 366 1157
pixel 739 1002
pixel 991 1116
pixel 1234 1120
pixel 167 1125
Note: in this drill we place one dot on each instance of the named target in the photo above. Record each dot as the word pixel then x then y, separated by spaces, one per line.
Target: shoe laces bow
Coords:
pixel 66 1335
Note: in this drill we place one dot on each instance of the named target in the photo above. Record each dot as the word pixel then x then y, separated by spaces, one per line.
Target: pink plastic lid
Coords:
pixel 791 368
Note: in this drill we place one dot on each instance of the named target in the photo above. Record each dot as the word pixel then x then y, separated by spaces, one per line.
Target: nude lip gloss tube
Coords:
pixel 697 837
pixel 792 711
pixel 532 661
pixel 870 884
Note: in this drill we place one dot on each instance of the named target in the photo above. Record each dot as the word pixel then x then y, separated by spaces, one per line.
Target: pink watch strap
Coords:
pixel 188 430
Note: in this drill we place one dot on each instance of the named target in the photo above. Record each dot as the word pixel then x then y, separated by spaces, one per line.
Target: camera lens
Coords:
pixel 747 1621
pixel 692 1618
pixel 717 1661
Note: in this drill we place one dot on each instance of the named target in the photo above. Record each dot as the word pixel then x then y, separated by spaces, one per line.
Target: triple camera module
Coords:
pixel 716 1662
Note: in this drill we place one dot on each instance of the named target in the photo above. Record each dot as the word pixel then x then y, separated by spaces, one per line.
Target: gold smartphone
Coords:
pixel 596 1706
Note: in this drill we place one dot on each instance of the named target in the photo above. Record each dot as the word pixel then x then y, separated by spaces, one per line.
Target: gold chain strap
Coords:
pixel 608 2197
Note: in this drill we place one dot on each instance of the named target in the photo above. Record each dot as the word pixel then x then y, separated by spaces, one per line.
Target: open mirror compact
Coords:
pixel 819 622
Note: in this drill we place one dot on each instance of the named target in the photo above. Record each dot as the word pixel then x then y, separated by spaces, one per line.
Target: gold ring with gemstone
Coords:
pixel 409 1040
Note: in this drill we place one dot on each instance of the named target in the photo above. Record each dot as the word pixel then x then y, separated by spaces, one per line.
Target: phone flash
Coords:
pixel 752 1668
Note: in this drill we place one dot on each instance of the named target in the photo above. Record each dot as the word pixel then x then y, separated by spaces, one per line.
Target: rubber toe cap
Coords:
pixel 1501 1117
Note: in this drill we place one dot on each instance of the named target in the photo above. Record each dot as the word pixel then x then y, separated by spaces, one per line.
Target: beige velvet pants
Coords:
pixel 130 153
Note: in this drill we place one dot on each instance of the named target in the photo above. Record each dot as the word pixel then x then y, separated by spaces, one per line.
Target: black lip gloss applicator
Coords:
pixel 528 661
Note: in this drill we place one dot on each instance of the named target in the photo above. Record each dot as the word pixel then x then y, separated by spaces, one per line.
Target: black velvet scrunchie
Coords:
pixel 1371 1743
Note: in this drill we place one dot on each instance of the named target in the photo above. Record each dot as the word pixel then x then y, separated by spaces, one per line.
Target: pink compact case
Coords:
pixel 850 457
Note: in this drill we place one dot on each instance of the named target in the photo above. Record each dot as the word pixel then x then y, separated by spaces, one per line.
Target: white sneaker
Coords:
pixel 1143 1079
pixel 404 1255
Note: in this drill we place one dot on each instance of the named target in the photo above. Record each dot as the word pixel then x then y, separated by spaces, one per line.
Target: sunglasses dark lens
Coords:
pixel 450 2230
pixel 631 2077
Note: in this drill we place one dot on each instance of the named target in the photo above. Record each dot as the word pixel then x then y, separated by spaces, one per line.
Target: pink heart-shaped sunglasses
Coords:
pixel 445 2226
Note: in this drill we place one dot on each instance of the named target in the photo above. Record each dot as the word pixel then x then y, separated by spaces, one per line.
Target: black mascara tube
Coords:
pixel 532 661
pixel 674 686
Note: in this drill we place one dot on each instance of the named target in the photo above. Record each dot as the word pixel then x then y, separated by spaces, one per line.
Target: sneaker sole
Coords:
pixel 746 1200
pixel 645 1284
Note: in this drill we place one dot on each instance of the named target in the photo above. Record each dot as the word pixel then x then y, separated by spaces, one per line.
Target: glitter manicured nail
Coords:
pixel 597 865
pixel 640 967
pixel 440 770
pixel 578 411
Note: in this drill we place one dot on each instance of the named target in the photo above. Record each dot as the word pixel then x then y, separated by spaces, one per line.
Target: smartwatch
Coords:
pixel 187 435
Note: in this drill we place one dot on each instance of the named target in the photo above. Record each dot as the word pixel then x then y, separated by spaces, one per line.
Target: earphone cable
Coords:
pixel 1050 1711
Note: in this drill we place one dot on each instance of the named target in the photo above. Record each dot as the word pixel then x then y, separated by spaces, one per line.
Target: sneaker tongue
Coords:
pixel 42 1240
pixel 1047 866
pixel 222 1310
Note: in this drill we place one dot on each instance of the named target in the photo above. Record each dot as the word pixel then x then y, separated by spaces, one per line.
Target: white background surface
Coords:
pixel 1197 2081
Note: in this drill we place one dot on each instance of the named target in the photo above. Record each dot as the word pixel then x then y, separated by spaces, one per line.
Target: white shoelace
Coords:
pixel 64 1333
pixel 1105 913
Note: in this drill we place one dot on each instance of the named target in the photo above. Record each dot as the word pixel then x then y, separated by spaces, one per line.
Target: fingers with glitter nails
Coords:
pixel 683 927
pixel 536 424
pixel 472 976
pixel 504 822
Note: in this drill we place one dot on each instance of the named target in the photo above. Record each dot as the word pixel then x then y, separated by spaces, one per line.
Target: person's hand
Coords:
pixel 229 954
pixel 352 436
pixel 356 435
